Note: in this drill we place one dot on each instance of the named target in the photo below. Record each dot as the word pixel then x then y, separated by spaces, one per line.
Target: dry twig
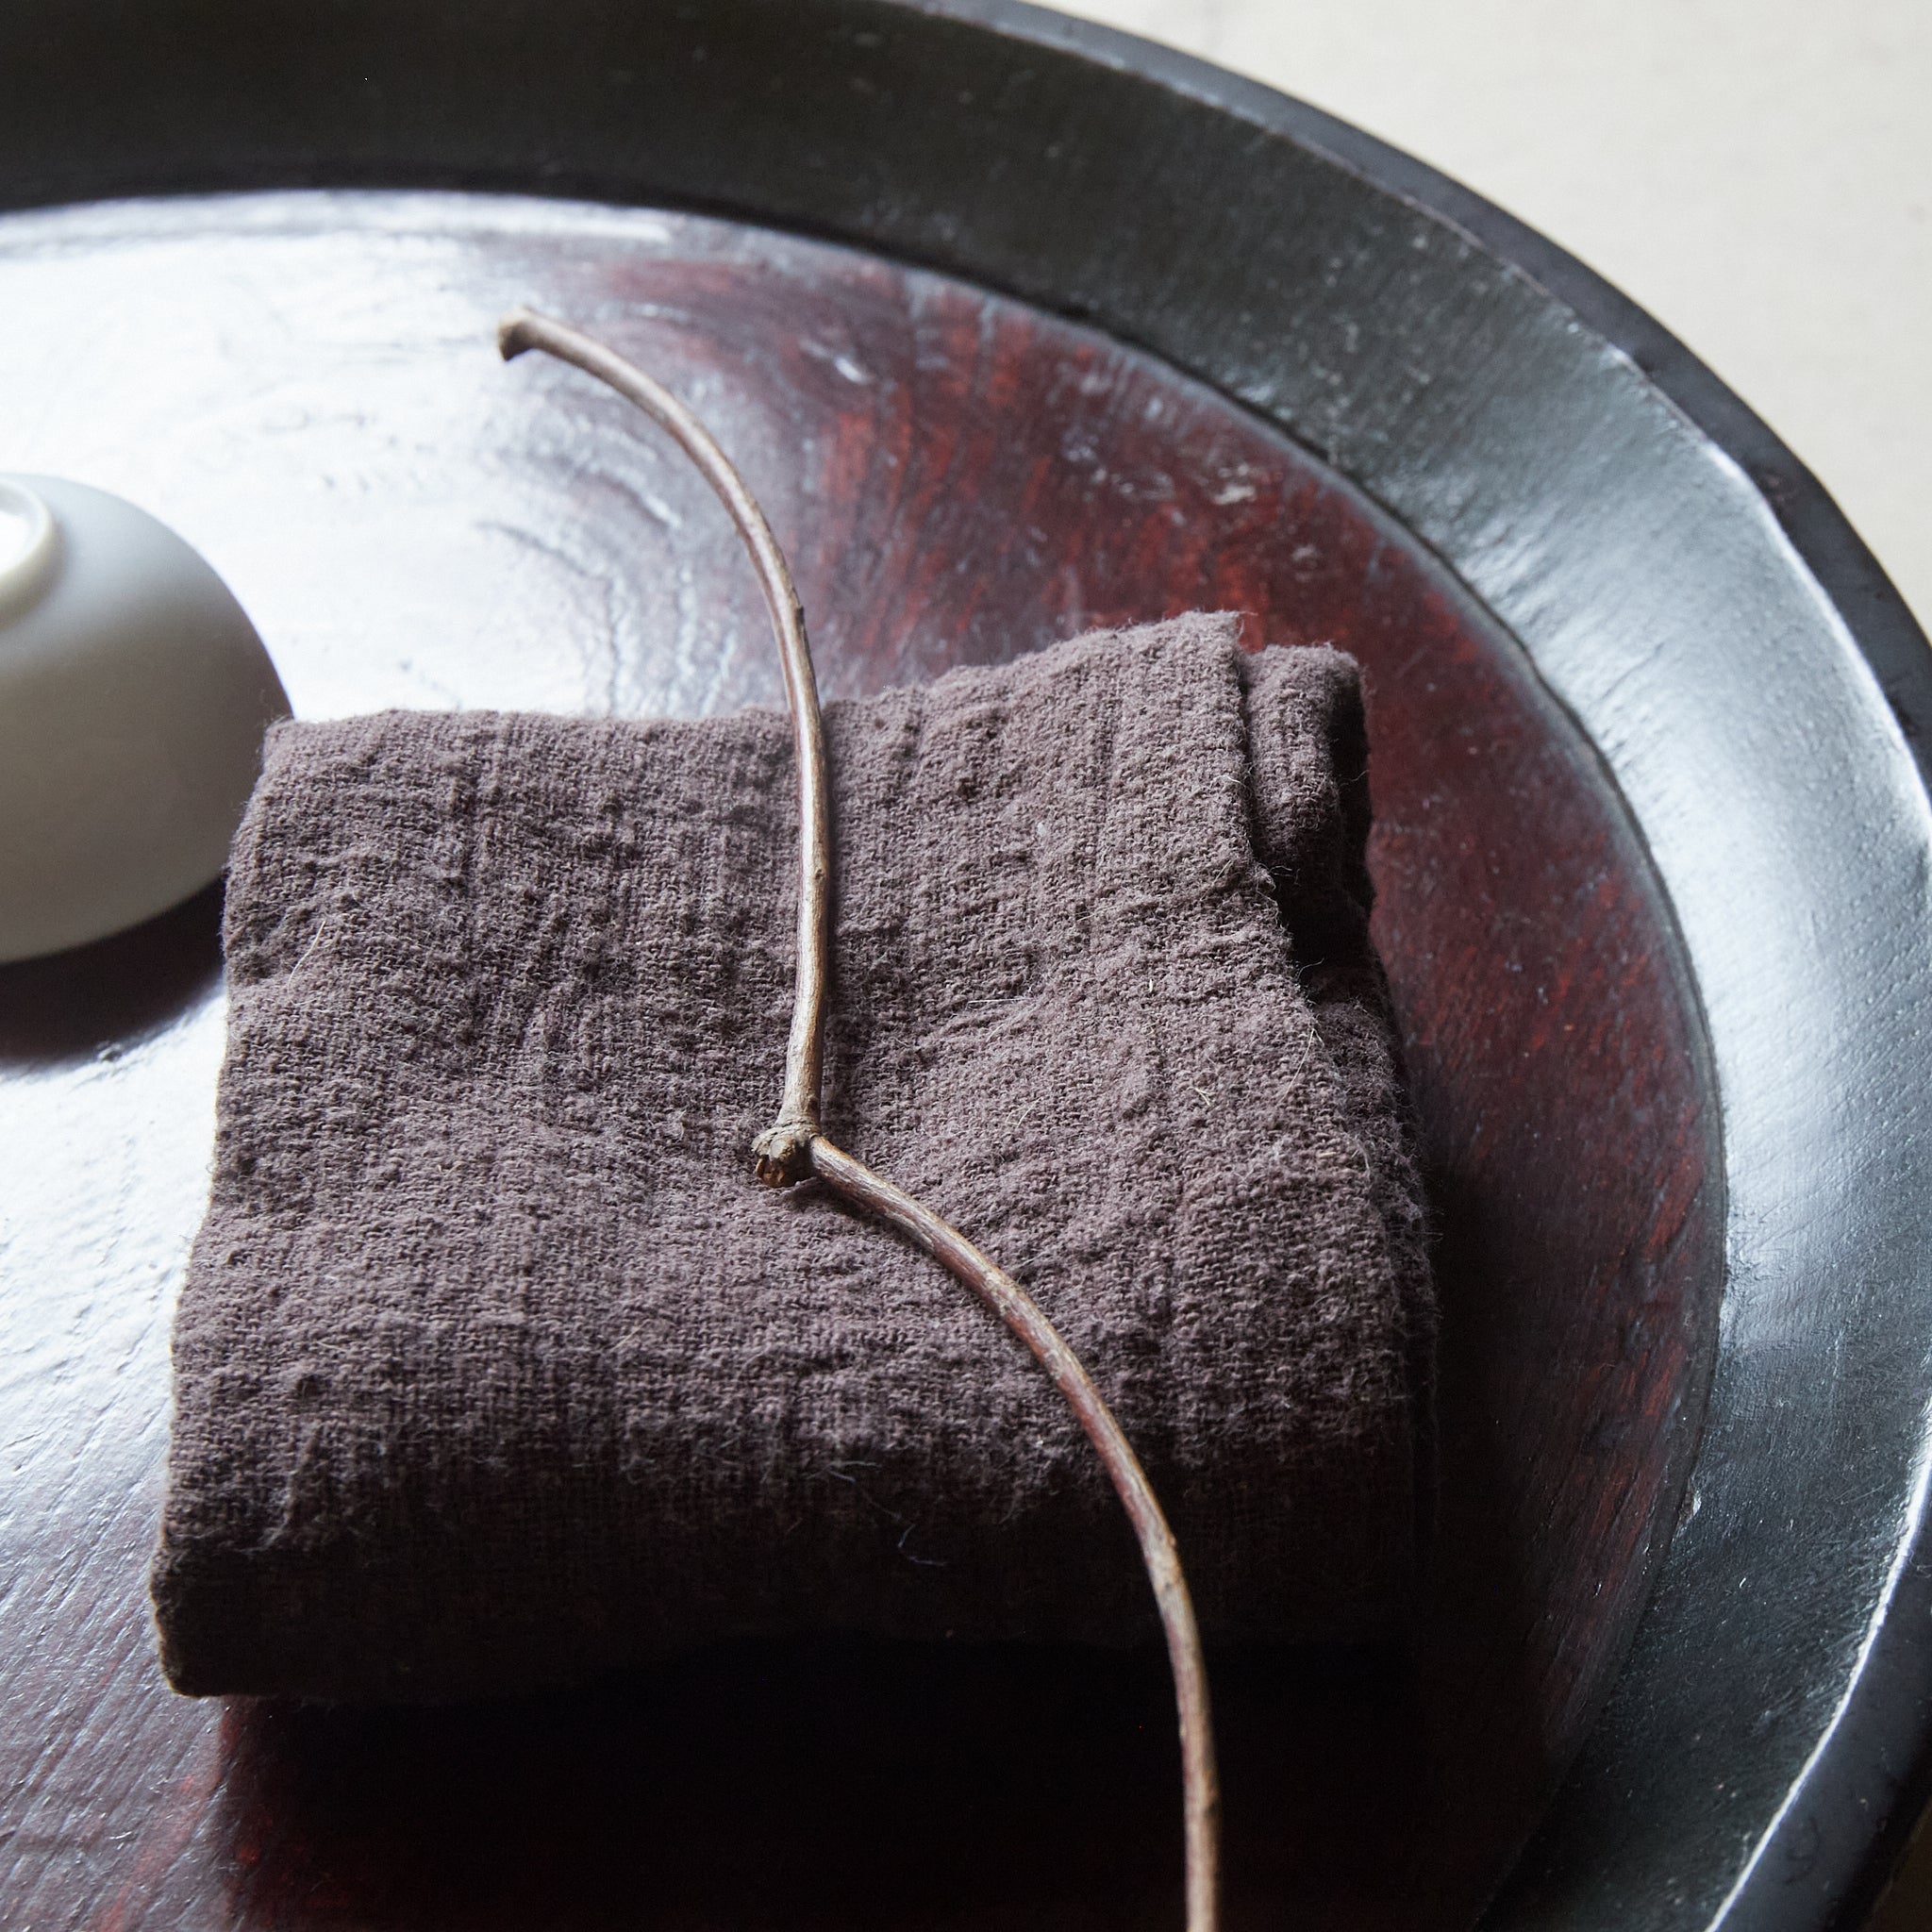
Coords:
pixel 795 1148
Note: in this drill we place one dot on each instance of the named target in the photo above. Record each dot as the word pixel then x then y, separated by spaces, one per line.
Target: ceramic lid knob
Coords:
pixel 134 693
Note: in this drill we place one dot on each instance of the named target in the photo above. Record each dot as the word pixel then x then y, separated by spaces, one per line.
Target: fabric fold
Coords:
pixel 494 1364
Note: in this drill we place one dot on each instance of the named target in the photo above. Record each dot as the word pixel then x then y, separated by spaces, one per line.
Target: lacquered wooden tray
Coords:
pixel 1651 855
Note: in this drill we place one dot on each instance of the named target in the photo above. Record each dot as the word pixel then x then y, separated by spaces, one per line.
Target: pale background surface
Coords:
pixel 1756 173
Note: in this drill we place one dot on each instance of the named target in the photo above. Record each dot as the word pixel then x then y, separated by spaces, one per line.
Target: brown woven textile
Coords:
pixel 494 1364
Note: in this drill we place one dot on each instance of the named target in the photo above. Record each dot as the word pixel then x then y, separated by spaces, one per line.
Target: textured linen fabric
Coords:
pixel 495 1365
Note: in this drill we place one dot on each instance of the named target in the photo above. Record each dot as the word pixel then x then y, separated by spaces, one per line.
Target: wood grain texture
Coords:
pixel 956 479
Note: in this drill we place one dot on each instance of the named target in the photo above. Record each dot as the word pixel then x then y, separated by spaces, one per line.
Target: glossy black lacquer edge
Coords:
pixel 114 97
pixel 1827 1862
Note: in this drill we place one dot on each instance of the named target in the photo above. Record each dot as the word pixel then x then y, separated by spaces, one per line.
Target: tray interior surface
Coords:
pixel 306 386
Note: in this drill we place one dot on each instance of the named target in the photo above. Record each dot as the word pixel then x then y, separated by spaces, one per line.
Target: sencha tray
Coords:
pixel 1018 325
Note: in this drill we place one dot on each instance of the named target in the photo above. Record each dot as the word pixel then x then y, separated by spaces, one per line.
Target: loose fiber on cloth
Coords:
pixel 495 1365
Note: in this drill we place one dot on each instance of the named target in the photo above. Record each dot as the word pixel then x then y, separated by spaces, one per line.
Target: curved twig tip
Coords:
pixel 513 333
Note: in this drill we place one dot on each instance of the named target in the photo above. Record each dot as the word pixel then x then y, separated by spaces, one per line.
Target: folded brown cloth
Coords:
pixel 496 1364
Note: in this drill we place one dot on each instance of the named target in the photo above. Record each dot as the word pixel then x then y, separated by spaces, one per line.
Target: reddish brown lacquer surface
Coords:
pixel 958 479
